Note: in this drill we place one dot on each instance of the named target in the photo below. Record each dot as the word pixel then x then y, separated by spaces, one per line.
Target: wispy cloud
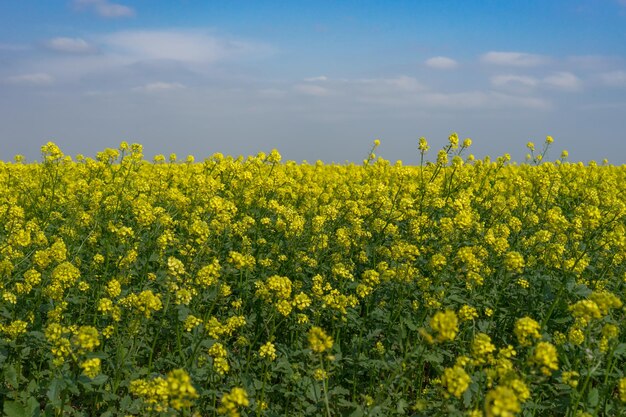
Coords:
pixel 158 87
pixel 393 85
pixel 614 78
pixel 441 62
pixel 136 57
pixel 105 8
pixel 564 81
pixel 405 92
pixel 312 90
pixel 179 45
pixel 70 45
pixel 40 78
pixel 593 62
pixel 484 100
pixel 13 47
pixel 514 59
pixel 513 80
pixel 315 79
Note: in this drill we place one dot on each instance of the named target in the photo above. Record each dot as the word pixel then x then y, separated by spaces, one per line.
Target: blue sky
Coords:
pixel 314 79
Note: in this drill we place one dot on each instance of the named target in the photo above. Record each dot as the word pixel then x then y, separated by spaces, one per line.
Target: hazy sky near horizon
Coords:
pixel 314 79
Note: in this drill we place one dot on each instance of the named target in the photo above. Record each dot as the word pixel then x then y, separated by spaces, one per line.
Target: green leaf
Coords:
pixel 14 409
pixel 411 325
pixel 358 412
pixel 593 398
pixel 620 350
pixel 433 357
pixel 32 407
pixel 402 405
pixel 54 391
pixel 99 380
pixel 467 398
pixel 10 376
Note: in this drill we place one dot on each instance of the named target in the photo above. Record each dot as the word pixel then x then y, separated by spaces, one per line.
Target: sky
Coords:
pixel 317 80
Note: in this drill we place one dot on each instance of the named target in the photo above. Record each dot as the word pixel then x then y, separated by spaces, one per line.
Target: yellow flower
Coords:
pixel 501 402
pixel 586 309
pixel 456 380
pixel 622 389
pixel 15 329
pixel 159 394
pixel 445 324
pixel 91 367
pixel 319 374
pixel 576 336
pixel 570 378
pixel 514 261
pixel 86 339
pixel 191 322
pixel 268 351
pixel 482 347
pixel 526 329
pixel 114 288
pixel 467 313
pixel 217 350
pixel 546 357
pixel 232 401
pixel 181 391
pixel 319 340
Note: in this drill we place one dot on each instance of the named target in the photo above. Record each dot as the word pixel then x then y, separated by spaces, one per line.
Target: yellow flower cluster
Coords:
pixel 319 341
pixel 91 367
pixel 219 353
pixel 268 351
pixel 232 401
pixel 130 268
pixel 545 356
pixel 456 380
pixel 526 329
pixel 145 303
pixel 445 324
pixel 160 394
pixel 482 348
pixel 13 330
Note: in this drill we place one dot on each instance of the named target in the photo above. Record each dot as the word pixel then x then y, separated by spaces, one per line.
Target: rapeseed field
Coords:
pixel 256 287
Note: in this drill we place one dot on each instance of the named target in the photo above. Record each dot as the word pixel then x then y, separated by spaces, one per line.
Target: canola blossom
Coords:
pixel 259 287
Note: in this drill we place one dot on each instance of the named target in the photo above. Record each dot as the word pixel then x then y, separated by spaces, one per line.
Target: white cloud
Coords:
pixel 391 85
pixel 514 59
pixel 481 100
pixel 565 81
pixel 105 8
pixel 312 90
pixel 158 87
pixel 510 80
pixel 405 92
pixel 39 78
pixel 441 62
pixel 179 45
pixel 13 47
pixel 125 59
pixel 70 45
pixel 593 62
pixel 272 93
pixel 614 78
pixel 315 79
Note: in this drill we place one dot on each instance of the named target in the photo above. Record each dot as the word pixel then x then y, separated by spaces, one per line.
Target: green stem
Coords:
pixel 325 387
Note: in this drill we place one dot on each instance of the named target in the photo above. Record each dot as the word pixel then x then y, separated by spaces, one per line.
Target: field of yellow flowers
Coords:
pixel 255 287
